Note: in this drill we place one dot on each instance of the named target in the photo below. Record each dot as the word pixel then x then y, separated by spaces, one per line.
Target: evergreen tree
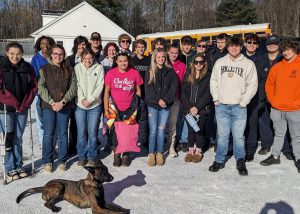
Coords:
pixel 110 8
pixel 233 12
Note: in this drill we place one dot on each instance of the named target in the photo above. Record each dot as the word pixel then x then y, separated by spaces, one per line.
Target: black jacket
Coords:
pixel 164 87
pixel 213 55
pixel 196 95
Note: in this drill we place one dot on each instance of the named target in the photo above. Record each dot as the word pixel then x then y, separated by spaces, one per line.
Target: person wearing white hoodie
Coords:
pixel 233 84
pixel 90 82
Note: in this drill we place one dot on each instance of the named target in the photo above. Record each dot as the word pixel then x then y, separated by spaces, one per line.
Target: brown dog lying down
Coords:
pixel 84 193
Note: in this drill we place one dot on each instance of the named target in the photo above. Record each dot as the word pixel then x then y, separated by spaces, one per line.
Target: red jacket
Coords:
pixel 180 69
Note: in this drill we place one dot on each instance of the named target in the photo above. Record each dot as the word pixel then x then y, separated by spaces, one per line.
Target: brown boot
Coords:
pixel 117 158
pixel 159 159
pixel 189 155
pixel 125 160
pixel 197 156
pixel 151 159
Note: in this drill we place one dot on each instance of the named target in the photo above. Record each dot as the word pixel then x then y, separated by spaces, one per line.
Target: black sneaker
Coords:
pixel 216 167
pixel 22 173
pixel 241 167
pixel 270 161
pixel 297 164
pixel 185 147
pixel 249 157
pixel 12 176
pixel 288 155
pixel 263 151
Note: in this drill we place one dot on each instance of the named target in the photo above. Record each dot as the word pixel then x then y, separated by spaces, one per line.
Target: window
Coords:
pixel 238 35
pixel 176 41
pixel 214 40
pixel 60 43
pixel 194 41
pixel 206 38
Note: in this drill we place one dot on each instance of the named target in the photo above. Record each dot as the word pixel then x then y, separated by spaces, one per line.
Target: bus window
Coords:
pixel 194 41
pixel 239 35
pixel 206 38
pixel 168 41
pixel 261 34
pixel 214 40
pixel 176 41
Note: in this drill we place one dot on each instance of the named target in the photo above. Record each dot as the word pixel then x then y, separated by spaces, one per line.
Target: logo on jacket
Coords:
pixel 293 74
pixel 231 70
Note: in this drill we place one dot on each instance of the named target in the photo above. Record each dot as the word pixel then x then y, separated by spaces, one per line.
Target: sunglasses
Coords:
pixel 58 54
pixel 199 62
pixel 254 43
pixel 201 46
pixel 125 41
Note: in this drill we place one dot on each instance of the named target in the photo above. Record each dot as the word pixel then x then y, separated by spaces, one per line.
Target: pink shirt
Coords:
pixel 123 86
pixel 180 69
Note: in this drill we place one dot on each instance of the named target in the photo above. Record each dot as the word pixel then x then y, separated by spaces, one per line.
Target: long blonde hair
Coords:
pixel 153 66
pixel 192 75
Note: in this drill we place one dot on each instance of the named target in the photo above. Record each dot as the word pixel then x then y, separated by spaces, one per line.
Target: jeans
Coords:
pixel 198 138
pixel 56 121
pixel 15 123
pixel 157 119
pixel 230 118
pixel 172 122
pixel 280 122
pixel 87 121
pixel 38 117
pixel 181 129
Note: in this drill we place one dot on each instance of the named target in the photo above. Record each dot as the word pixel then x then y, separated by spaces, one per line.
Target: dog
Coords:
pixel 85 193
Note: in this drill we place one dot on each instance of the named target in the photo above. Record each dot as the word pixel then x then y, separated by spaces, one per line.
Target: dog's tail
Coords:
pixel 29 191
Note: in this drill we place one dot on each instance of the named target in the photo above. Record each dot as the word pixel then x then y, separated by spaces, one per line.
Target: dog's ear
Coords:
pixel 90 169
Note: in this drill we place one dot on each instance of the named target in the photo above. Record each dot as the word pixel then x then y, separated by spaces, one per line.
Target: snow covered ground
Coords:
pixel 176 187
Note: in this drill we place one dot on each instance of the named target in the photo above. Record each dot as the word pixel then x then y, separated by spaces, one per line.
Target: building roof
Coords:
pixel 82 19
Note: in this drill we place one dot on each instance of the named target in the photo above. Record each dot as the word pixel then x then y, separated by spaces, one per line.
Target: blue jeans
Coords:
pixel 181 129
pixel 38 117
pixel 15 122
pixel 56 121
pixel 230 118
pixel 157 119
pixel 87 121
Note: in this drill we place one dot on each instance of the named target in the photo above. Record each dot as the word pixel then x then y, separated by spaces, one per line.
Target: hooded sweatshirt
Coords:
pixel 180 69
pixel 283 85
pixel 233 81
pixel 90 83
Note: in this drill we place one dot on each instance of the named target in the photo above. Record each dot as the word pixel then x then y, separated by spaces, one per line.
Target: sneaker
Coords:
pixel 216 167
pixel 12 176
pixel 297 164
pixel 125 160
pixel 151 159
pixel 22 173
pixel 159 159
pixel 185 147
pixel 81 163
pixel 263 151
pixel 249 157
pixel 48 168
pixel 270 161
pixel 172 151
pixel 117 160
pixel 189 155
pixel 198 156
pixel 62 167
pixel 91 163
pixel 288 155
pixel 241 167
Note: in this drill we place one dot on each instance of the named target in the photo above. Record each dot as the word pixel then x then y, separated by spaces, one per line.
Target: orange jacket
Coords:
pixel 283 85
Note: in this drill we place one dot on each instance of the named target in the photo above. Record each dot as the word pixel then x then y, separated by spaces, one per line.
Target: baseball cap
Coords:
pixel 272 40
pixel 95 35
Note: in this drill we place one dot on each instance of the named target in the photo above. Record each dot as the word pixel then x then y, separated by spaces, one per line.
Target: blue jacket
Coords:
pixel 37 62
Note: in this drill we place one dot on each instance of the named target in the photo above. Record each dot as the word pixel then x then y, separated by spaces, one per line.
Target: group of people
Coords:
pixel 193 98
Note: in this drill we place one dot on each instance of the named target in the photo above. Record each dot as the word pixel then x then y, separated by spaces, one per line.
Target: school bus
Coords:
pixel 208 34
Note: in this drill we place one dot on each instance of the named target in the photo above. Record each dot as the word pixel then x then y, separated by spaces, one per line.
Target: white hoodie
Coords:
pixel 233 81
pixel 90 83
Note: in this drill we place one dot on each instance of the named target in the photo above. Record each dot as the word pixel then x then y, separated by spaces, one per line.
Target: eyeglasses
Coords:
pixel 58 54
pixel 273 43
pixel 125 41
pixel 201 46
pixel 199 62
pixel 254 43
pixel 96 40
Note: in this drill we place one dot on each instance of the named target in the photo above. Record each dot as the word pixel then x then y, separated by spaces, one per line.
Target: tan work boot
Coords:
pixel 159 159
pixel 198 156
pixel 189 155
pixel 151 159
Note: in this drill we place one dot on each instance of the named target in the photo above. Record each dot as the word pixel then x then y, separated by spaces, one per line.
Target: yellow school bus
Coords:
pixel 207 34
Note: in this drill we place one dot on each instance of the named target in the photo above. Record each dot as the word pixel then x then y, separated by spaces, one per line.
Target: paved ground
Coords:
pixel 177 187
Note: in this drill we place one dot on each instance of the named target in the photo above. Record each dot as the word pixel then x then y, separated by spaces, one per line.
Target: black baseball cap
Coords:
pixel 96 35
pixel 272 40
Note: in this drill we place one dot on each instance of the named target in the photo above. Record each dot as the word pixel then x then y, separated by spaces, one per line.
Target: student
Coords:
pixel 57 88
pixel 124 41
pixel 201 47
pixel 95 43
pixel 187 54
pixel 142 64
pixel 233 84
pixel 17 91
pixel 80 44
pixel 196 98
pixel 159 43
pixel 122 84
pixel 282 89
pixel 180 69
pixel 160 90
pixel 90 80
pixel 41 57
pixel 110 51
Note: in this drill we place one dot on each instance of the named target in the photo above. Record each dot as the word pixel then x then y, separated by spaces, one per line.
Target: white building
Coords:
pixel 82 20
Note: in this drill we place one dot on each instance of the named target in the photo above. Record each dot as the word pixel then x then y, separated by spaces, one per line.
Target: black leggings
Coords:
pixel 197 137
